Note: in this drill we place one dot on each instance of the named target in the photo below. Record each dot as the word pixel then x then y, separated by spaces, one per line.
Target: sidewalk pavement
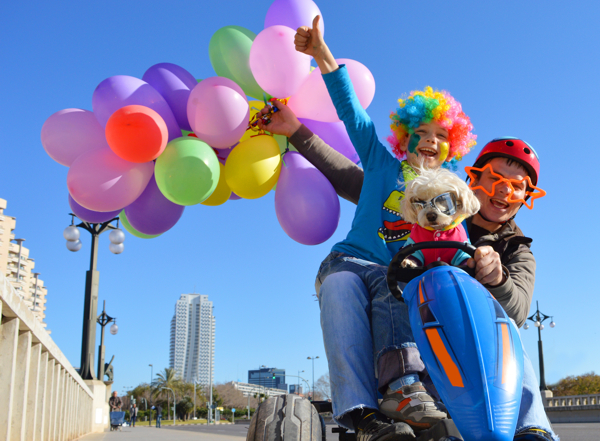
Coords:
pixel 145 433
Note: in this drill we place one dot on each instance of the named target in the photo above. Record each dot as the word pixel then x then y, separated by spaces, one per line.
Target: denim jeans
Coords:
pixel 361 321
pixel 532 413
pixel 158 418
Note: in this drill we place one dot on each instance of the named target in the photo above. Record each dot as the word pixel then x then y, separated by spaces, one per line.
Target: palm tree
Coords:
pixel 167 378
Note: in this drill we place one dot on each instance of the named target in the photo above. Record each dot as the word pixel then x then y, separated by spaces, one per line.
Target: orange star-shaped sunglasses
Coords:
pixel 531 191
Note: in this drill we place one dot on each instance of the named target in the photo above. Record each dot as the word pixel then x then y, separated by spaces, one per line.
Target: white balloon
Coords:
pixel 74 245
pixel 71 233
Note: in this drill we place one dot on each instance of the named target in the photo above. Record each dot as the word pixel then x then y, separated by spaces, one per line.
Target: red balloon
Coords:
pixel 136 133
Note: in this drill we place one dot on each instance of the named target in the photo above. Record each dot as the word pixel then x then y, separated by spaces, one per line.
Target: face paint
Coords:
pixel 413 143
pixel 444 149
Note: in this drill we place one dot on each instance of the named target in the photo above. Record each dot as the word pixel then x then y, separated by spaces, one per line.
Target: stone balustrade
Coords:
pixel 573 401
pixel 42 397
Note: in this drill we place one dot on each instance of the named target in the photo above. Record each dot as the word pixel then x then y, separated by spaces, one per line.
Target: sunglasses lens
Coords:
pixel 445 203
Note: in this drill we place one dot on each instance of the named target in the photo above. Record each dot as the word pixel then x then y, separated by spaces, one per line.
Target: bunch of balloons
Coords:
pixel 153 146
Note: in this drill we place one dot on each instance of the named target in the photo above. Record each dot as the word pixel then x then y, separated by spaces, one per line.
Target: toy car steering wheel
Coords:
pixel 397 274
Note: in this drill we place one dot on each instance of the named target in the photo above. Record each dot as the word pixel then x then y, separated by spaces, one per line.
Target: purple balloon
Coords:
pixel 93 217
pixel 334 134
pixel 122 90
pixel 152 213
pixel 174 83
pixel 234 197
pixel 293 14
pixel 306 204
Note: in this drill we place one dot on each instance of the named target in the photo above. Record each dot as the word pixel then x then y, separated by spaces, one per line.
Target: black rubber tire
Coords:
pixel 286 418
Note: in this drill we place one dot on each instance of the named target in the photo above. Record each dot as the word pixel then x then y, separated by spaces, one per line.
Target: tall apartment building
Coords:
pixel 192 339
pixel 18 267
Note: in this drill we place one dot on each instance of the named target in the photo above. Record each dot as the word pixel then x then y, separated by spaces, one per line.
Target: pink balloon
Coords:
pixel 293 14
pixel 312 100
pixel 69 133
pixel 218 112
pixel 101 181
pixel 276 65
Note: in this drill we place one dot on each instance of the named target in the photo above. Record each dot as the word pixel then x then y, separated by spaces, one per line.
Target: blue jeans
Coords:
pixel 361 321
pixel 158 418
pixel 532 413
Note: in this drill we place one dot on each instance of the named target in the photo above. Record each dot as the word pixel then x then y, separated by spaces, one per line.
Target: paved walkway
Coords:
pixel 145 433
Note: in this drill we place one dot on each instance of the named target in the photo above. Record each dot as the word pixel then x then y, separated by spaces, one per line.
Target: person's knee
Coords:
pixel 341 288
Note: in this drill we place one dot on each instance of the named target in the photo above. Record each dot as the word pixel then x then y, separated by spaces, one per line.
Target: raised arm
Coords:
pixel 345 176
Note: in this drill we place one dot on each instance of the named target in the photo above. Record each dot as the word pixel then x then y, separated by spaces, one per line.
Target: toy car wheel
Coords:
pixel 286 417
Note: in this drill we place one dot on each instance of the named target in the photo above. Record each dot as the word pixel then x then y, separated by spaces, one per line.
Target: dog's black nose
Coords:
pixel 431 217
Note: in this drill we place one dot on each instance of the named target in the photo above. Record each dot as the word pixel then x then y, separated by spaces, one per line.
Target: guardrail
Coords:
pixel 573 401
pixel 573 408
pixel 42 397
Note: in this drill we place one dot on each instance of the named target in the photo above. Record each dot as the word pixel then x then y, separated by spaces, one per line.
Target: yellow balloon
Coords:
pixel 255 107
pixel 221 193
pixel 253 167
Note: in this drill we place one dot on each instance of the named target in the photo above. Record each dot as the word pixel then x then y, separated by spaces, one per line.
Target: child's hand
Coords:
pixel 488 268
pixel 310 41
pixel 283 122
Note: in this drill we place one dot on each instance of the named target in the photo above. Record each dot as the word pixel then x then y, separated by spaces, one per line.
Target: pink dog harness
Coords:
pixel 456 234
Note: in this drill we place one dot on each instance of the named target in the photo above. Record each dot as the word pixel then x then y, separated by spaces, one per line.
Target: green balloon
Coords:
pixel 125 224
pixel 229 52
pixel 187 172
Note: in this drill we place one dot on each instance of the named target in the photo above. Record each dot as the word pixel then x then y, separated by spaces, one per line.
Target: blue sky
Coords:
pixel 519 68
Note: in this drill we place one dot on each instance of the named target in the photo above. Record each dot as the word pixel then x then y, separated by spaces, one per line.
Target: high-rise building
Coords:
pixel 192 339
pixel 268 377
pixel 18 267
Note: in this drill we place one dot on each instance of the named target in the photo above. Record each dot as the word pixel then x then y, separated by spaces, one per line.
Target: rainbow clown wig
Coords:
pixel 422 107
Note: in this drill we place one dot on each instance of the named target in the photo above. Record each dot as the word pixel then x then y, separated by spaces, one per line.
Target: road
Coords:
pixel 237 432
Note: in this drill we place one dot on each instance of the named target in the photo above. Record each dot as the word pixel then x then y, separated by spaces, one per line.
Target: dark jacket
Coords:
pixel 115 403
pixel 514 294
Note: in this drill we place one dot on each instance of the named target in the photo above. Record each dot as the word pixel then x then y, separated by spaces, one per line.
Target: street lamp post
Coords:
pixel 313 376
pixel 299 382
pixel 103 320
pixel 538 318
pixel 90 308
pixel 150 386
pixel 174 403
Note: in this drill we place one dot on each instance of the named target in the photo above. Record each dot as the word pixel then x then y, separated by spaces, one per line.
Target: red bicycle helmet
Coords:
pixel 512 148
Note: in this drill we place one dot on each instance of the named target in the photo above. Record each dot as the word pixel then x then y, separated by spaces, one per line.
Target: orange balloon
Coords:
pixel 136 133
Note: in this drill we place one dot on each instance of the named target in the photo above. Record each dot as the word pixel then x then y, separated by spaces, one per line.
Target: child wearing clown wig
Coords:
pixel 367 335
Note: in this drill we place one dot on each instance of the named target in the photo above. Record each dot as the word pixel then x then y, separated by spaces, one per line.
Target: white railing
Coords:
pixel 573 401
pixel 42 397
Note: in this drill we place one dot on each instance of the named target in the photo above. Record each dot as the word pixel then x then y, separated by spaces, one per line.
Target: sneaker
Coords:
pixel 372 428
pixel 533 434
pixel 412 405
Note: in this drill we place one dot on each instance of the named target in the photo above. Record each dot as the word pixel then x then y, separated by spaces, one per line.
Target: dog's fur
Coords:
pixel 426 186
pixel 431 183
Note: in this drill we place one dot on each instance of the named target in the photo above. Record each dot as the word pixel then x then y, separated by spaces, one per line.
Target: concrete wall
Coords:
pixel 42 397
pixel 573 409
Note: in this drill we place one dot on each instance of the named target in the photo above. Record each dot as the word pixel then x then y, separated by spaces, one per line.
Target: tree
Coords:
pixel 586 384
pixel 322 388
pixel 167 378
pixel 233 397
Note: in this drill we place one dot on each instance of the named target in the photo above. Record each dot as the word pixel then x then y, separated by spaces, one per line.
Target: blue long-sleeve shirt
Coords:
pixel 378 230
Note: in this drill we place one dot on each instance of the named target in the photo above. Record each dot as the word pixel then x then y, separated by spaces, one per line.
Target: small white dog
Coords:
pixel 436 202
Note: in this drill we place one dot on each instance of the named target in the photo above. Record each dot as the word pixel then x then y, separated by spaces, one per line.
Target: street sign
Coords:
pixel 233 410
pixel 214 406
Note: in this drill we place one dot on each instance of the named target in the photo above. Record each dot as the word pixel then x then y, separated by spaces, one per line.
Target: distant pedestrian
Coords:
pixel 115 402
pixel 133 413
pixel 158 415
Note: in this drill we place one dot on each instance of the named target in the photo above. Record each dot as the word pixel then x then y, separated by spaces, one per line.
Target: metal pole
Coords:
pixel 313 375
pixel 248 405
pixel 150 387
pixel 210 410
pixel 90 309
pixel 539 317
